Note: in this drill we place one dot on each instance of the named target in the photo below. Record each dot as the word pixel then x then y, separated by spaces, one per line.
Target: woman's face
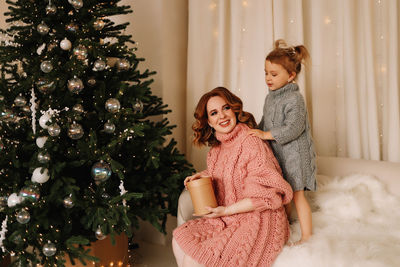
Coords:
pixel 220 115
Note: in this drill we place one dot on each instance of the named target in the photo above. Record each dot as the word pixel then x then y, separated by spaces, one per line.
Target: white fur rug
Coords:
pixel 356 222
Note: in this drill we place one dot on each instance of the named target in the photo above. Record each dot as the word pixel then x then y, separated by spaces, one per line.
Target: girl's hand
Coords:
pixel 258 133
pixel 191 178
pixel 217 212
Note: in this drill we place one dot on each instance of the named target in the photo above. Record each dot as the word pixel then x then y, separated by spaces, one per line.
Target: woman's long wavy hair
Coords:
pixel 203 133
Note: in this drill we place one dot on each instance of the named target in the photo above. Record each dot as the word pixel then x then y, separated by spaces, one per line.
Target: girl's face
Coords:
pixel 276 76
pixel 220 115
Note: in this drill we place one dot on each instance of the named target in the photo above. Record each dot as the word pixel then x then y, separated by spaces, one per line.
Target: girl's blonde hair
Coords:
pixel 290 57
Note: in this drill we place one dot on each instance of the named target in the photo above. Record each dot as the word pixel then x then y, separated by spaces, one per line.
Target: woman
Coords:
pixel 249 227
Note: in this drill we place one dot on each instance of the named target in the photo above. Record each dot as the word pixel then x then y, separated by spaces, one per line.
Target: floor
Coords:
pixel 153 255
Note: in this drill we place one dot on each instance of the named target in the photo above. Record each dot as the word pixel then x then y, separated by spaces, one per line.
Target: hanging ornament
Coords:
pixel 72 27
pixel 46 66
pixel 123 64
pixel 65 44
pixel 44 85
pixel 99 65
pixel 77 4
pixel 138 105
pixel 22 216
pixel 13 200
pixel 78 108
pixel 99 234
pixel 109 127
pixel 92 81
pixel 44 119
pixel 99 24
pixel 75 131
pixel 30 192
pixel 1 145
pixel 7 115
pixel 68 202
pixel 43 157
pixel 49 249
pixel 42 28
pixel 80 52
pixel 101 171
pixel 40 141
pixel 54 130
pixel 112 105
pixel 75 85
pixel 51 9
pixel 1 98
pixel 39 177
pixel 20 101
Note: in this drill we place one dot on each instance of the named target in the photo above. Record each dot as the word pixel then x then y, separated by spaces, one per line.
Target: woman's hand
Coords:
pixel 217 212
pixel 261 134
pixel 191 178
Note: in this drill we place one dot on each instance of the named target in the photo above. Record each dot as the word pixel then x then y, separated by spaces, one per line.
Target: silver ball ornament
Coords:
pixel 138 106
pixel 112 105
pixel 109 127
pixel 99 65
pixel 51 9
pixel 20 101
pixel 77 4
pixel 123 64
pixel 43 157
pixel 22 216
pixel 75 131
pixel 99 24
pixel 101 171
pixel 99 234
pixel 46 66
pixel 65 44
pixel 78 108
pixel 75 85
pixel 42 28
pixel 30 192
pixel 45 86
pixel 26 109
pixel 54 129
pixel 49 249
pixel 68 202
pixel 80 52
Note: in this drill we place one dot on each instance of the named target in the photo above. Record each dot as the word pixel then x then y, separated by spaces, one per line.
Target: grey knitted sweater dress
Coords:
pixel 285 115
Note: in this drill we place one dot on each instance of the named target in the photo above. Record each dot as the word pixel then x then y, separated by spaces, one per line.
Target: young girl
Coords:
pixel 285 123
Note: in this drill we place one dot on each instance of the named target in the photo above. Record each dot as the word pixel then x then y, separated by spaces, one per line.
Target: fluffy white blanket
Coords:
pixel 356 222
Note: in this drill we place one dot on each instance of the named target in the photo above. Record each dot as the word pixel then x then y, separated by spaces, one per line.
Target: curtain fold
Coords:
pixel 351 86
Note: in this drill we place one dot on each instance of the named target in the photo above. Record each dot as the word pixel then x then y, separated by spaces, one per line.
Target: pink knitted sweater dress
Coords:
pixel 242 166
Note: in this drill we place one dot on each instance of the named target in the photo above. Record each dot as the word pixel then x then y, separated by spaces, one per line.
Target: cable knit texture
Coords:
pixel 285 115
pixel 242 166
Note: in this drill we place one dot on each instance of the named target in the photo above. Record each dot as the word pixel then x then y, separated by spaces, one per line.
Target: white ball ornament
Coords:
pixel 40 141
pixel 65 44
pixel 14 199
pixel 39 177
pixel 43 120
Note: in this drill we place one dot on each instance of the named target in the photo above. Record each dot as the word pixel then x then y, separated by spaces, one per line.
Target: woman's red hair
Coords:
pixel 203 133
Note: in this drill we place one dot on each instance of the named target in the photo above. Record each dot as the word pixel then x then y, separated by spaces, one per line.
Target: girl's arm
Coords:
pixel 261 134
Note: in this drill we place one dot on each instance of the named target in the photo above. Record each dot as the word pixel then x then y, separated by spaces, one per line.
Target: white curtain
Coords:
pixel 351 87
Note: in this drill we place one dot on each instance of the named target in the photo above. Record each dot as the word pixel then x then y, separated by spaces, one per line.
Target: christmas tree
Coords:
pixel 82 153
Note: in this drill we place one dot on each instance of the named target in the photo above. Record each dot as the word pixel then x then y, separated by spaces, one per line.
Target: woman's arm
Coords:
pixel 242 206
